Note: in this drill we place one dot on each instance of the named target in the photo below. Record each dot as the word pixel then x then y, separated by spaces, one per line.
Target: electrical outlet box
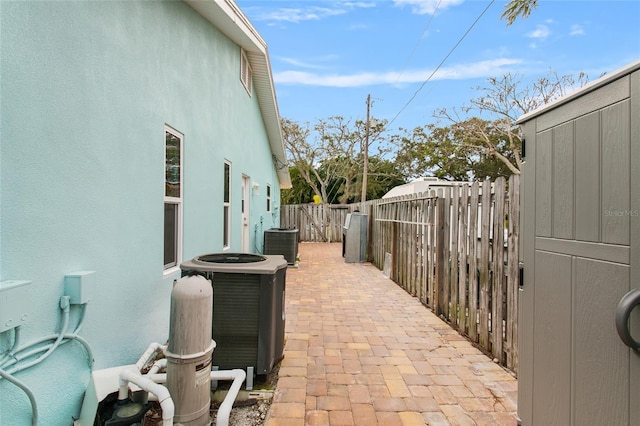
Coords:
pixel 79 286
pixel 15 304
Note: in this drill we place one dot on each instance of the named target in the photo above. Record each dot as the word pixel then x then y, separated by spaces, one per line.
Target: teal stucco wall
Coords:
pixel 87 88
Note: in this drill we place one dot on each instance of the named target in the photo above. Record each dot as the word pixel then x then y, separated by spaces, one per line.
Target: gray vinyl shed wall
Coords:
pixel 580 252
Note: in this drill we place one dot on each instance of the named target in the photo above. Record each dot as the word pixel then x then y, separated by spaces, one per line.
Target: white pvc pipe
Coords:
pixel 130 375
pixel 238 376
pixel 151 350
pixel 157 366
pixel 160 378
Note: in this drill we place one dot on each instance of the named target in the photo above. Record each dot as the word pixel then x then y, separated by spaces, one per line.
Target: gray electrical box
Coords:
pixel 15 308
pixel 354 238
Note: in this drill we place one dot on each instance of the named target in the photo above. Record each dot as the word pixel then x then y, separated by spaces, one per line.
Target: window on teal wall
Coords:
pixel 226 230
pixel 245 71
pixel 172 197
pixel 268 198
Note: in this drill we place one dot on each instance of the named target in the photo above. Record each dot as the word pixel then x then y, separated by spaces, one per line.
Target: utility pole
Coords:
pixel 365 166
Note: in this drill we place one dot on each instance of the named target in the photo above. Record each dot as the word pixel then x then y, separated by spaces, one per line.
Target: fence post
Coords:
pixel 453 247
pixel 483 327
pixel 464 238
pixel 446 288
pixel 473 262
pixel 393 274
pixel 497 313
pixel 440 250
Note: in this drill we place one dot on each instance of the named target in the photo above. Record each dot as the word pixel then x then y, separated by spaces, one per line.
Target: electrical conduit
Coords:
pixel 61 338
pixel 25 355
pixel 15 355
pixel 16 343
pixel 25 389
pixel 64 305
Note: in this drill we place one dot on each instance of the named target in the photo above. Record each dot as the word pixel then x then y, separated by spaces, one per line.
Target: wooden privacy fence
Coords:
pixel 455 249
pixel 316 222
pixel 458 256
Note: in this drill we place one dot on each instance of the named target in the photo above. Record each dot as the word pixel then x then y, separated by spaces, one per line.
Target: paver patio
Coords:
pixel 359 350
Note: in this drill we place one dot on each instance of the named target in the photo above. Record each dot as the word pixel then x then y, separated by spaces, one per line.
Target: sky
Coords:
pixel 416 56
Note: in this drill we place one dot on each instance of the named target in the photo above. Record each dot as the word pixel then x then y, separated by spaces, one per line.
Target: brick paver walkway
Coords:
pixel 361 351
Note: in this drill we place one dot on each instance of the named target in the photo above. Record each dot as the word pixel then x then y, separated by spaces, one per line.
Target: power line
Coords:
pixel 441 63
pixel 404 67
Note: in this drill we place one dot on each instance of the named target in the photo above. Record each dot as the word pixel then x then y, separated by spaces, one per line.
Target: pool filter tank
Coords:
pixel 190 349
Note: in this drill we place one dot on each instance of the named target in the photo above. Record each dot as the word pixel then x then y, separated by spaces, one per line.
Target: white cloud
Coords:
pixel 360 4
pixel 296 15
pixel 297 63
pixel 357 27
pixel 312 63
pixel 426 7
pixel 541 32
pixel 456 72
pixel 577 30
pixel 301 14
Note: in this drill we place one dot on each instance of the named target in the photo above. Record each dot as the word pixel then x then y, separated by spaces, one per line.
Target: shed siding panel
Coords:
pixel 587 179
pixel 543 184
pixel 616 169
pixel 563 191
pixel 600 359
pixel 552 311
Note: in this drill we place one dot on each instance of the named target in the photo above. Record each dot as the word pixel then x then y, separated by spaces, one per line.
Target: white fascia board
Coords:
pixel 227 17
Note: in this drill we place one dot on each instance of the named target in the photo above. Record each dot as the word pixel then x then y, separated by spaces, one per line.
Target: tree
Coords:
pixel 448 153
pixel 505 99
pixel 300 191
pixel 329 157
pixel 383 175
pixel 518 8
pixel 304 154
pixel 342 143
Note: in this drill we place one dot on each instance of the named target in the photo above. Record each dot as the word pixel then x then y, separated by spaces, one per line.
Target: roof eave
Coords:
pixel 229 19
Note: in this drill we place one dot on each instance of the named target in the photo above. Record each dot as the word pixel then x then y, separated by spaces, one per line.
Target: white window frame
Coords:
pixel 246 74
pixel 170 268
pixel 226 206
